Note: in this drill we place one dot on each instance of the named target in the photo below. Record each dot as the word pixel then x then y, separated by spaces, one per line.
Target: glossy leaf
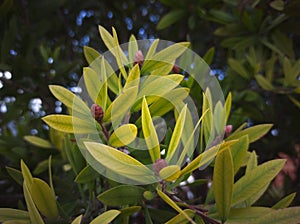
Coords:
pixel 247 215
pixel 123 135
pixel 219 119
pixel 118 108
pixel 238 68
pixel 264 83
pixel 128 211
pixel 176 136
pixel 170 18
pixel 96 88
pixel 227 106
pixel 90 54
pixel 206 157
pixel 120 163
pixel 26 174
pixel 43 198
pixel 133 78
pixel 77 220
pixel 281 216
pixel 37 141
pixel 223 180
pixel 252 162
pixel 86 175
pixel 149 131
pixel 165 56
pixel 132 48
pixel 119 54
pixel 239 152
pixel 7 214
pixel 189 141
pixel 255 180
pixel 69 99
pixel 285 202
pixel 180 218
pixel 170 173
pixel 34 215
pixel 152 49
pixel 254 133
pixel 173 97
pixel 70 124
pixel 151 88
pixel 106 217
pixel 122 195
pixel 15 174
pixel 170 202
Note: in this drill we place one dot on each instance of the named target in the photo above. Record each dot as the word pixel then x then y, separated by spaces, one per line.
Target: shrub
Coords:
pixel 134 141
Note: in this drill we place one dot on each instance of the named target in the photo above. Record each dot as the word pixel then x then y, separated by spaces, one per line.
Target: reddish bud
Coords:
pixel 176 69
pixel 158 165
pixel 227 130
pixel 97 112
pixel 138 58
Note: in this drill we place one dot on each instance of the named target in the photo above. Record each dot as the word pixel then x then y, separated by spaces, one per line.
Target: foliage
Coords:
pixel 254 51
pixel 103 146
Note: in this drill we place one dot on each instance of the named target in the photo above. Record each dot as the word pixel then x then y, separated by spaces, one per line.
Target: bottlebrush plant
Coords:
pixel 134 142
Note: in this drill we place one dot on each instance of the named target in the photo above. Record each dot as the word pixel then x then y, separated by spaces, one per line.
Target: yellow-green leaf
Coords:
pixel 122 195
pixel 238 68
pixel 176 136
pixel 206 157
pixel 123 135
pixel 119 163
pixel 34 215
pixel 70 124
pixel 180 218
pixel 170 173
pixel 149 131
pixel 189 141
pixel 37 141
pixel 26 174
pixel 239 152
pixel 254 133
pixel 90 54
pixel 170 202
pixel 281 216
pixel 86 175
pixel 264 83
pixel 170 18
pixel 119 54
pixel 133 78
pixel 285 202
pixel 15 174
pixel 97 88
pixel 223 183
pixel 165 56
pixel 77 220
pixel 255 180
pixel 69 99
pixel 247 215
pixel 228 106
pixel 43 198
pixel 252 162
pixel 106 217
pixel 120 106
pixel 132 48
pixel 7 214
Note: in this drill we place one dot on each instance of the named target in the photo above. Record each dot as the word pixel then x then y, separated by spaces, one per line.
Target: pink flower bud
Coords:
pixel 158 165
pixel 176 69
pixel 97 112
pixel 138 58
pixel 227 130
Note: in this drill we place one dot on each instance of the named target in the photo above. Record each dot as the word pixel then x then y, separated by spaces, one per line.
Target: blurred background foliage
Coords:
pixel 252 47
